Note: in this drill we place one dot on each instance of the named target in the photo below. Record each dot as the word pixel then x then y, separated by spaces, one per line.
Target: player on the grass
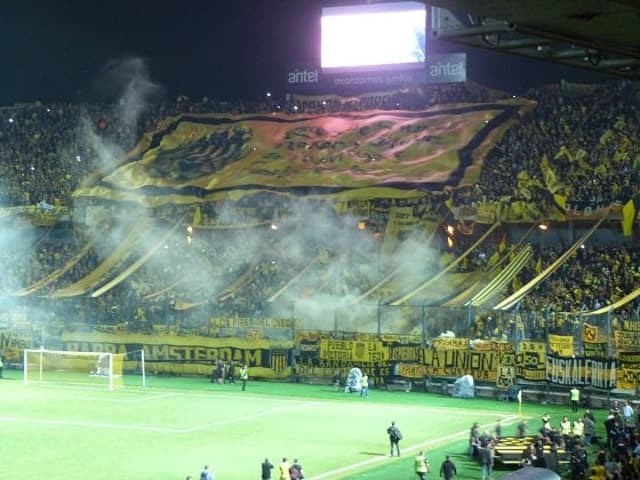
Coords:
pixel 422 466
pixel 284 469
pixel 394 438
pixel 244 376
pixel 295 471
pixel 448 469
pixel 206 474
pixel 266 468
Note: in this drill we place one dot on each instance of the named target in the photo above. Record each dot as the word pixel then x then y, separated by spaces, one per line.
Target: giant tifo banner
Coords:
pixel 199 158
pixel 582 371
pixel 190 355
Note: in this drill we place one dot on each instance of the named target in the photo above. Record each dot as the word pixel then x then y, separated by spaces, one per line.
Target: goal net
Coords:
pixel 85 368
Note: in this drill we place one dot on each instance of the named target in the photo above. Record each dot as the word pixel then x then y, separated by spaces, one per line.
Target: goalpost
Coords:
pixel 84 368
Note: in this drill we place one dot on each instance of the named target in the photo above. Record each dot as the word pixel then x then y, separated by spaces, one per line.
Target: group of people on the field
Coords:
pixel 482 446
pixel 226 373
pixel 286 470
pixel 420 463
pixel 616 458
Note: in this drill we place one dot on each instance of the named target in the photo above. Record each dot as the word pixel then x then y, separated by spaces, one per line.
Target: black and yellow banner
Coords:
pixel 406 353
pixel 596 349
pixel 190 355
pixel 483 365
pixel 582 371
pixel 590 333
pixel 506 376
pixel 561 345
pixel 450 343
pixel 195 158
pixel 530 361
pixel 353 351
pixel 629 374
pixel 626 340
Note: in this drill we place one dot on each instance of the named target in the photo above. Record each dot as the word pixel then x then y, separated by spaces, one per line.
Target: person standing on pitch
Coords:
pixel 486 460
pixel 574 395
pixel 394 438
pixel 206 474
pixel 267 466
pixel 422 466
pixel 295 471
pixel 231 372
pixel 284 469
pixel 244 376
pixel 364 386
pixel 448 469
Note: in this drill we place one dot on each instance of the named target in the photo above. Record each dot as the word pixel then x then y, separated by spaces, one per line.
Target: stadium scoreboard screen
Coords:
pixel 374 46
pixel 373 37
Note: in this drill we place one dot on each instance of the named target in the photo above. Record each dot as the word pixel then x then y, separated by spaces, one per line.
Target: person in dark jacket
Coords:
pixel 266 467
pixel 448 469
pixel 394 438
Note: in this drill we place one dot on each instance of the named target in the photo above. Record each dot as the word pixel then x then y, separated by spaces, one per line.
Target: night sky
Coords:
pixel 55 50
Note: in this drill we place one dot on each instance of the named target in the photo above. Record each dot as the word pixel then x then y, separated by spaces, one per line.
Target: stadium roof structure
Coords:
pixel 600 35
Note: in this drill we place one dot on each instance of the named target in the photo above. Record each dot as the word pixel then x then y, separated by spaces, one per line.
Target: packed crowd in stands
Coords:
pixel 588 137
pixel 588 134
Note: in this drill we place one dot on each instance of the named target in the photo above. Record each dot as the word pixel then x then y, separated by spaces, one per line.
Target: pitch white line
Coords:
pixel 152 397
pixel 453 436
pixel 151 428
pixel 248 417
pixel 68 423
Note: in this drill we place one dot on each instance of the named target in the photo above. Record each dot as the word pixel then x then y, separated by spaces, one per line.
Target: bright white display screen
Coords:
pixel 373 35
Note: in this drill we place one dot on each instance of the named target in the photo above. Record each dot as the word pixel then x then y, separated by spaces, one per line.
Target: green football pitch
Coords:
pixel 174 426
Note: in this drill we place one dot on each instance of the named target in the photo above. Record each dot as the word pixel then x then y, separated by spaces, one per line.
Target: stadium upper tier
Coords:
pixel 247 211
pixel 561 146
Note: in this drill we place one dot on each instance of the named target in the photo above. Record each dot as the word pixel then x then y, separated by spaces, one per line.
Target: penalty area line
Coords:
pixel 508 420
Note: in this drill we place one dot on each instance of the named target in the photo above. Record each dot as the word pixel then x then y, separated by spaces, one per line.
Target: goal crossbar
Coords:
pixel 43 365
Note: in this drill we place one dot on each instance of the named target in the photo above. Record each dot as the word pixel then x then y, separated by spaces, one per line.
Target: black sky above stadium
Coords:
pixel 55 50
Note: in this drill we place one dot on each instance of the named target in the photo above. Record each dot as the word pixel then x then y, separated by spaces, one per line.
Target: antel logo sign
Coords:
pixel 298 77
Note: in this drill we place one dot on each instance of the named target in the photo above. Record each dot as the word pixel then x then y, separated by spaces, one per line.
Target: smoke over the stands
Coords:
pixel 337 291
pixel 121 94
pixel 306 262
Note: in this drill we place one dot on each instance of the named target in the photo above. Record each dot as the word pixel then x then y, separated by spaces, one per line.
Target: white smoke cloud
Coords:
pixel 125 88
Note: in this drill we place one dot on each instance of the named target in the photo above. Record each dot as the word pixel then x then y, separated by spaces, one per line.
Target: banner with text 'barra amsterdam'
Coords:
pixel 190 354
pixel 196 158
